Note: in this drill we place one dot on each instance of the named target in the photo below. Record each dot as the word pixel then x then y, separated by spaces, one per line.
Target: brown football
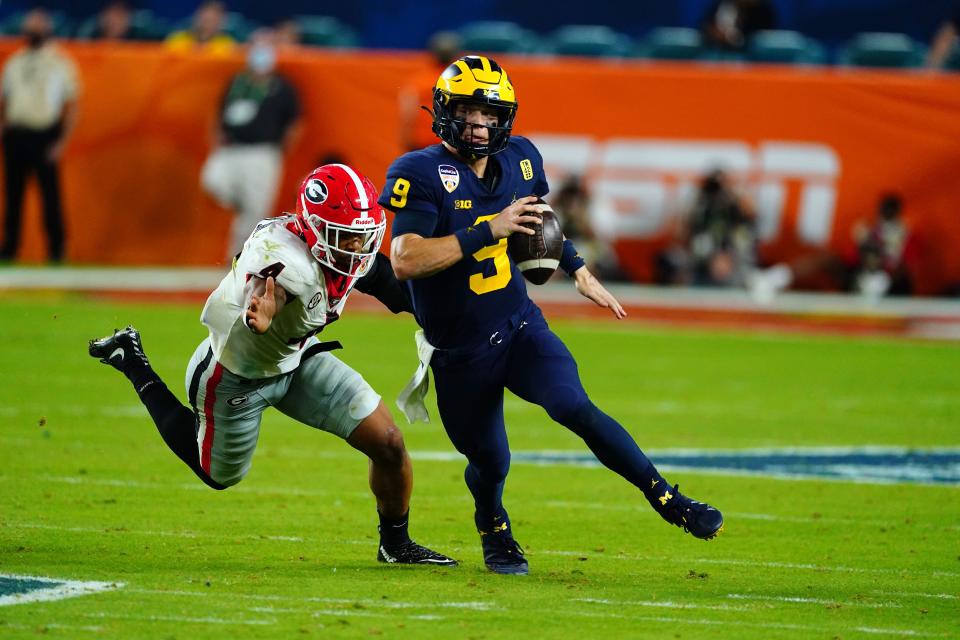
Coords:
pixel 538 256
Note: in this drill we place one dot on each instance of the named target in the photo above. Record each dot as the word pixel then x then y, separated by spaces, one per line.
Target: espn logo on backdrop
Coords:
pixel 637 184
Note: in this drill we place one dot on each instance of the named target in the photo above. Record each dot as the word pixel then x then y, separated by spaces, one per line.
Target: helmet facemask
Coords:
pixel 329 236
pixel 451 129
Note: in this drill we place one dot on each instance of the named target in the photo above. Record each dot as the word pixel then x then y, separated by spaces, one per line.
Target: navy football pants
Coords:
pixel 533 363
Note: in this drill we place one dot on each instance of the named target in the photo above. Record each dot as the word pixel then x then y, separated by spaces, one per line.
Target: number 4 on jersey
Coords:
pixel 272 271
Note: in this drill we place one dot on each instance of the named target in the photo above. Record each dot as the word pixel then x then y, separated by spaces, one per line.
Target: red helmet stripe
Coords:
pixel 364 201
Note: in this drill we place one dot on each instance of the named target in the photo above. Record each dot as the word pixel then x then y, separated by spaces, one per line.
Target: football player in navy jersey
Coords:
pixel 456 203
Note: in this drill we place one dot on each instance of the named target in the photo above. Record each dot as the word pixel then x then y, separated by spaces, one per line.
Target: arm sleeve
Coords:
pixel 381 283
pixel 570 260
pixel 408 195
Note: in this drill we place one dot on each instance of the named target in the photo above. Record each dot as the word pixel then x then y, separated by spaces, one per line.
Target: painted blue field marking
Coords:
pixel 16 589
pixel 939 465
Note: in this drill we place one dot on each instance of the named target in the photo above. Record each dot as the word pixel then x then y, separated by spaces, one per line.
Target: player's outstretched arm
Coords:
pixel 589 287
pixel 381 283
pixel 414 256
pixel 263 300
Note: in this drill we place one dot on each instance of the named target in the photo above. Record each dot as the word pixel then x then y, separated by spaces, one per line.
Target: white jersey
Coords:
pixel 271 250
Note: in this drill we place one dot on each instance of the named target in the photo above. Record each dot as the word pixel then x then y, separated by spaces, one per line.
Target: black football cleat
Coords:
pixel 501 553
pixel 696 518
pixel 121 351
pixel 410 552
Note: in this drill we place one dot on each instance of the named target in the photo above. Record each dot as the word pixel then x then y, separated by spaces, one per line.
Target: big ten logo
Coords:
pixel 637 184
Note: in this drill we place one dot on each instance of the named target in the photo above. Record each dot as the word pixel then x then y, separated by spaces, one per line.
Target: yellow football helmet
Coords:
pixel 474 79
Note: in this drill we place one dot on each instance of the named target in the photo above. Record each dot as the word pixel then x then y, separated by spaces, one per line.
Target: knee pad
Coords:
pixel 568 405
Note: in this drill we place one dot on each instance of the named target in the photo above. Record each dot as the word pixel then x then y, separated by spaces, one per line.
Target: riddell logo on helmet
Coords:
pixel 363 222
pixel 315 191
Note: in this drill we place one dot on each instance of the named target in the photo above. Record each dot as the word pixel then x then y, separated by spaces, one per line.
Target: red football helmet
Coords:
pixel 341 221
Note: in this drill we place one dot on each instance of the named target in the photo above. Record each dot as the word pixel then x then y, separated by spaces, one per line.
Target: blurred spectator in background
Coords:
pixel 886 252
pixel 945 41
pixel 287 32
pixel 259 120
pixel 206 32
pixel 572 204
pixel 716 244
pixel 878 262
pixel 38 111
pixel 114 22
pixel 730 23
pixel 416 127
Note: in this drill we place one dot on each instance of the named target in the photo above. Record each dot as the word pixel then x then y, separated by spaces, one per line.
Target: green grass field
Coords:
pixel 89 492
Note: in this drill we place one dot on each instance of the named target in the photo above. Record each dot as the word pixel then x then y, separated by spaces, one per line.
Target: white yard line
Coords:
pixel 252 488
pixel 206 620
pixel 40 626
pixel 743 563
pixel 817 601
pixel 917 594
pixel 136 532
pixel 366 602
pixel 643 507
pixel 57 590
pixel 741 623
pixel 664 604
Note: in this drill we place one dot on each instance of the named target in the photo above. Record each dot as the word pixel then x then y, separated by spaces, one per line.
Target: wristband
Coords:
pixel 474 238
pixel 570 261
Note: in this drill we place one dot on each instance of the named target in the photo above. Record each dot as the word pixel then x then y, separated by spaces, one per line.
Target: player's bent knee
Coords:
pixel 390 449
pixel 569 408
pixel 216 486
pixel 224 478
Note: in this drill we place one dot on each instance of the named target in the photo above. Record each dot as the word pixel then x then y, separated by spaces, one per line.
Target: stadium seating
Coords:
pixel 234 24
pixel 325 31
pixel 590 40
pixel 671 43
pixel 144 25
pixel 62 25
pixel 952 62
pixel 499 37
pixel 882 50
pixel 785 47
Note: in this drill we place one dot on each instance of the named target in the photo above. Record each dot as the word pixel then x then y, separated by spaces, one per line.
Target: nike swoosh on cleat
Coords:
pixel 387 556
pixel 118 350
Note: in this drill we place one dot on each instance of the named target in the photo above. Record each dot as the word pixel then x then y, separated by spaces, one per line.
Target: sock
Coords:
pixel 393 531
pixel 495 523
pixel 176 423
pixel 141 376
pixel 618 451
pixel 487 497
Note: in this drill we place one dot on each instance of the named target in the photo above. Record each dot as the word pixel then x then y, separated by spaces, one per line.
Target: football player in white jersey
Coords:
pixel 291 279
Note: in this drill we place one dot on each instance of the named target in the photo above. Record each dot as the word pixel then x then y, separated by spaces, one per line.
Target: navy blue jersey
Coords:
pixel 434 194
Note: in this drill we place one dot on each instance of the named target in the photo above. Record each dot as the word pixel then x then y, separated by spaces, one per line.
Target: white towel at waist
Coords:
pixel 410 400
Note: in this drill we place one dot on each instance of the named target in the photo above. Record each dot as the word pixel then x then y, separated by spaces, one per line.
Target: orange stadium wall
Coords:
pixel 814 148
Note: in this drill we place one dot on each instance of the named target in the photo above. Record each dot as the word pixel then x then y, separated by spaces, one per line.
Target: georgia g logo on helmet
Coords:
pixel 315 191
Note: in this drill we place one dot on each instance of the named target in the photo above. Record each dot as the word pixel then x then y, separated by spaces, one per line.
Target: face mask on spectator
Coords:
pixel 261 59
pixel 35 39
